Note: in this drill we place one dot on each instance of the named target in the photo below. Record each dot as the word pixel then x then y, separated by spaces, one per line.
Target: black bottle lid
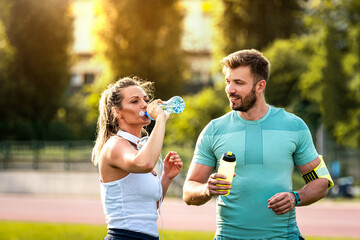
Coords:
pixel 229 157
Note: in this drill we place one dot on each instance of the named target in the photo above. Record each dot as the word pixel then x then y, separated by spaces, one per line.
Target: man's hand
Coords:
pixel 282 202
pixel 213 187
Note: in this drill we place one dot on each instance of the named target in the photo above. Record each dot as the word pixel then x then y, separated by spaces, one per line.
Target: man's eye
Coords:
pixel 135 101
pixel 147 100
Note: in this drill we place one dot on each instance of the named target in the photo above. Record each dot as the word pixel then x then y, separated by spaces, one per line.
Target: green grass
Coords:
pixel 10 230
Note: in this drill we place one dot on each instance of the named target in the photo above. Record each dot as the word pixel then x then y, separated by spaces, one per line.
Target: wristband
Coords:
pixel 297 197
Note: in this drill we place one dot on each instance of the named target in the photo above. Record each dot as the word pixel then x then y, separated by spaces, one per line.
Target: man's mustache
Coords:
pixel 235 95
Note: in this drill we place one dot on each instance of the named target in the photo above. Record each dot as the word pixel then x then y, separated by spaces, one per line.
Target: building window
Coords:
pixel 196 77
pixel 75 80
pixel 89 78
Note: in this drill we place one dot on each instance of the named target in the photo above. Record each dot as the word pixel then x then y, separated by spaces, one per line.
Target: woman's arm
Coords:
pixel 172 167
pixel 121 155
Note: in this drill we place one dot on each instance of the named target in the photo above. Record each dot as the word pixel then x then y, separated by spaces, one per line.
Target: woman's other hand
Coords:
pixel 172 165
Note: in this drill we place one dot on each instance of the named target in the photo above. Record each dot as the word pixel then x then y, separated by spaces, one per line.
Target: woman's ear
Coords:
pixel 115 111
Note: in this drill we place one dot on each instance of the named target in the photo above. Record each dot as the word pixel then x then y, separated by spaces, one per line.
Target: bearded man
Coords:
pixel 268 143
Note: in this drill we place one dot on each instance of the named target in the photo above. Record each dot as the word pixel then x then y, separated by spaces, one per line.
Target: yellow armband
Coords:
pixel 320 171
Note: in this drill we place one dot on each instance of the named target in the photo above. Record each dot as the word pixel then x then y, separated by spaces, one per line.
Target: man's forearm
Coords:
pixel 313 191
pixel 195 193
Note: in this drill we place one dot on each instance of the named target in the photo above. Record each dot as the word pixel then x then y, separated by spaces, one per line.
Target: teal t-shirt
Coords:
pixel 266 152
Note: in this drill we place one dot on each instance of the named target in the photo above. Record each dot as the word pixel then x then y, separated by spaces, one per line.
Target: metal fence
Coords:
pixel 76 155
pixel 37 155
pixel 53 167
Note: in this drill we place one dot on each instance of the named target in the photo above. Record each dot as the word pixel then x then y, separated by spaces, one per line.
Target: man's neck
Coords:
pixel 257 112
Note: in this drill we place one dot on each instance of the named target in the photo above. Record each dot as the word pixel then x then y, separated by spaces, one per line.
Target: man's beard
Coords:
pixel 247 103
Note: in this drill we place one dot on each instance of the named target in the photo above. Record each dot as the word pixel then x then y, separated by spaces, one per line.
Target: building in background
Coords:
pixel 196 42
pixel 85 68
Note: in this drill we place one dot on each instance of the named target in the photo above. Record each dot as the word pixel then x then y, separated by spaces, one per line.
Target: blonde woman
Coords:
pixel 130 188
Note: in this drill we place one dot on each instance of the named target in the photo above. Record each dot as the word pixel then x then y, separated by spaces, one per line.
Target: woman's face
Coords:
pixel 134 101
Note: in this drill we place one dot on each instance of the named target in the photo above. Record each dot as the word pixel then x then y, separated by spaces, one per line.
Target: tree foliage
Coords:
pixel 255 23
pixel 142 38
pixel 332 79
pixel 316 74
pixel 289 60
pixel 39 38
pixel 183 129
pixel 6 56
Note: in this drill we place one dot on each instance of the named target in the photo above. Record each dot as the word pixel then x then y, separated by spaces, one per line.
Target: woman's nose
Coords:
pixel 145 103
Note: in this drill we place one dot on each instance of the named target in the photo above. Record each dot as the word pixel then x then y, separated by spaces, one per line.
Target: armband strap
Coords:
pixel 320 171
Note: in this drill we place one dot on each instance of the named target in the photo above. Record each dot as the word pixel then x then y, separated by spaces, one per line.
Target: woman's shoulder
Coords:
pixel 114 146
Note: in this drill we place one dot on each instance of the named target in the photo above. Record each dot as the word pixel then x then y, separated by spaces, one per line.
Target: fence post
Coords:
pixel 36 150
pixel 6 146
pixel 67 161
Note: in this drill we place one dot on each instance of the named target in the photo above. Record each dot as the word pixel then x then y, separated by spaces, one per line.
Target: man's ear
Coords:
pixel 260 86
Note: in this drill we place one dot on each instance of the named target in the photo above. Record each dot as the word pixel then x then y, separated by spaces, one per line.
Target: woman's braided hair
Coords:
pixel 107 124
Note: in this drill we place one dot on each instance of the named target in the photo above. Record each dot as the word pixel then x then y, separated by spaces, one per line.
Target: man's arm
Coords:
pixel 200 184
pixel 313 191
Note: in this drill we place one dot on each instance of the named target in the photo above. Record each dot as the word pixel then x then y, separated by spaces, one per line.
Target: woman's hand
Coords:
pixel 172 165
pixel 154 110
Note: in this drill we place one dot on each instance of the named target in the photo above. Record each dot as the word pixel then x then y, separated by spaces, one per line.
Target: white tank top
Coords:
pixel 131 202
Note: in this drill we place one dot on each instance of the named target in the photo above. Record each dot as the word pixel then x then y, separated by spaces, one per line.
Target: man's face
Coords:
pixel 240 88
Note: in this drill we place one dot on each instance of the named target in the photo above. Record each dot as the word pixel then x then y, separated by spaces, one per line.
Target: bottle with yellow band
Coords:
pixel 320 171
pixel 227 168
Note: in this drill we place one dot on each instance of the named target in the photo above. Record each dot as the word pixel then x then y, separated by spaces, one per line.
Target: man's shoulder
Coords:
pixel 281 118
pixel 218 125
pixel 225 120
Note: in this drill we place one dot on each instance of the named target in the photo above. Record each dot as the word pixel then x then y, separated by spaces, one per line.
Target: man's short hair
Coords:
pixel 259 65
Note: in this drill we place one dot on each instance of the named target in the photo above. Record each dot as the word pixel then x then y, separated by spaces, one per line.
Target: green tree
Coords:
pixel 40 34
pixel 6 54
pixel 182 130
pixel 71 121
pixel 255 24
pixel 332 78
pixel 316 75
pixel 289 60
pixel 347 131
pixel 142 38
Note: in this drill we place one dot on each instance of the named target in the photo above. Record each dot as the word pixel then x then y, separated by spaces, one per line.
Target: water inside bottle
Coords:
pixel 173 105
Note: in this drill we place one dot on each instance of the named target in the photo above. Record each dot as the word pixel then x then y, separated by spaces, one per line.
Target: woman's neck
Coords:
pixel 134 131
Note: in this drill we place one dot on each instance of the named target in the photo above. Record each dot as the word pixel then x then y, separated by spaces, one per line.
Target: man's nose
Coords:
pixel 229 88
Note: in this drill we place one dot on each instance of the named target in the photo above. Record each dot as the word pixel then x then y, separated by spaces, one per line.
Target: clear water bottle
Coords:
pixel 174 105
pixel 227 168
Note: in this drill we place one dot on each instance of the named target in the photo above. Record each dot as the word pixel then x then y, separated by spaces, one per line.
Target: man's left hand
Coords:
pixel 282 202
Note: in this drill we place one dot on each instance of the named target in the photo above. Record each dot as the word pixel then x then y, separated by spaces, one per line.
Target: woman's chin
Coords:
pixel 147 121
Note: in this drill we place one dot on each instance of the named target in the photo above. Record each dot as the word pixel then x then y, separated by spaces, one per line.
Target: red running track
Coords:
pixel 326 218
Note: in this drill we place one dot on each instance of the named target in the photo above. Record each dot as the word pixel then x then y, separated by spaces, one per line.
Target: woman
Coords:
pixel 130 188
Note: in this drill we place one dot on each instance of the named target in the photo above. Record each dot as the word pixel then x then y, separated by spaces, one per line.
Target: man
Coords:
pixel 267 142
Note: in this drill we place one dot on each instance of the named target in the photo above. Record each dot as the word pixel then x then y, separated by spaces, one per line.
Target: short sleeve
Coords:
pixel 305 151
pixel 203 153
